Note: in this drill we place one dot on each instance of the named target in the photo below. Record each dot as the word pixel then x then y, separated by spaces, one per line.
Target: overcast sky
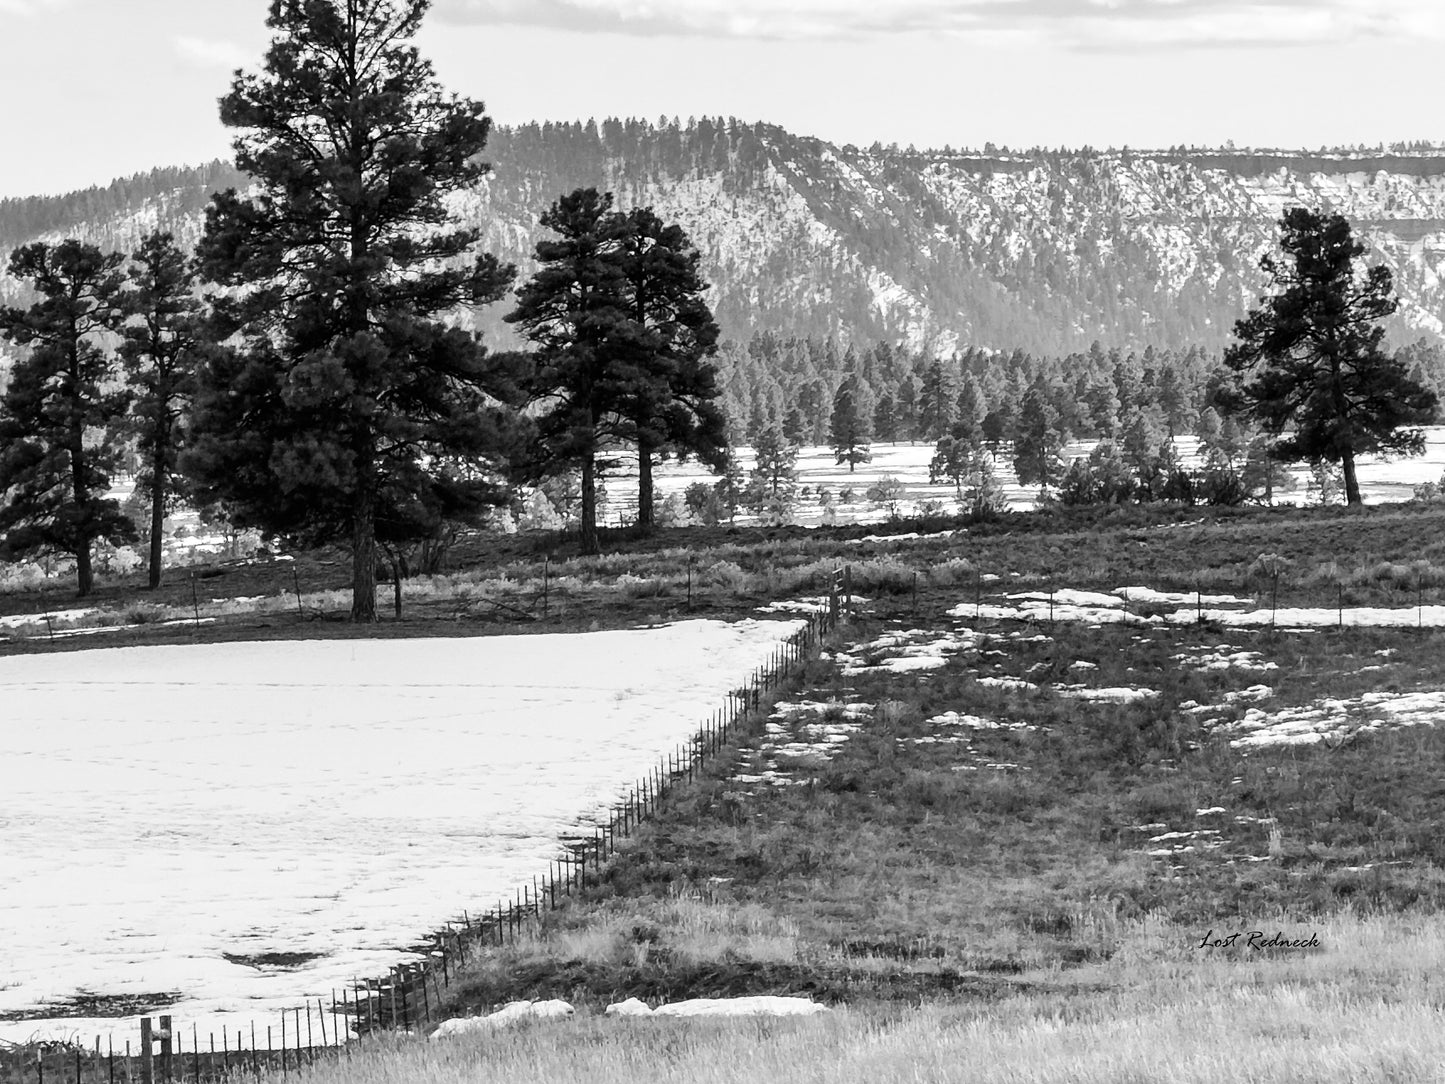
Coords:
pixel 94 89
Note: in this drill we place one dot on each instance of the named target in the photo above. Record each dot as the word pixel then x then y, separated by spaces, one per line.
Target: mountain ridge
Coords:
pixel 1043 250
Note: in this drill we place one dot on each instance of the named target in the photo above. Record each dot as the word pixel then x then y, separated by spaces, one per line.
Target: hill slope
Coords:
pixel 1043 250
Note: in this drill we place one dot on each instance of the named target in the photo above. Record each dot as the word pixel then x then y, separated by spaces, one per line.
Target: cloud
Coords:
pixel 209 53
pixel 1082 24
pixel 29 7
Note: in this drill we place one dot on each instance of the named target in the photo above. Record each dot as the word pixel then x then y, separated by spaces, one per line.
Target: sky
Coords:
pixel 95 89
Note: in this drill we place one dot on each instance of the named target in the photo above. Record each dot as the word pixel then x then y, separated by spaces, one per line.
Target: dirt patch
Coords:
pixel 85 1004
pixel 273 961
pixel 599 985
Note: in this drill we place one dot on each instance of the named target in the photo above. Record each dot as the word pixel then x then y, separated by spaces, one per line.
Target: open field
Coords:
pixel 1028 825
pixel 268 820
pixel 1381 480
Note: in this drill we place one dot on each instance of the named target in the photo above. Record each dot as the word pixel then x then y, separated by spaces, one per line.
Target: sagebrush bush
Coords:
pixel 728 576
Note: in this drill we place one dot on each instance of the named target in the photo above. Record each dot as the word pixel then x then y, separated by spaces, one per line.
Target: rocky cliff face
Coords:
pixel 1047 251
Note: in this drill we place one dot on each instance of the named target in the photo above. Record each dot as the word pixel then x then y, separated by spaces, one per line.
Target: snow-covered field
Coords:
pixel 1380 480
pixel 166 807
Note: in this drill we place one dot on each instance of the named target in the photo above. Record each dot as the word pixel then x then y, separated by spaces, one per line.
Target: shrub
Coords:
pixel 726 575
pixel 887 493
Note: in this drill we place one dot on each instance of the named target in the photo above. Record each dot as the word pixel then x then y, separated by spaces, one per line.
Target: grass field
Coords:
pixel 997 847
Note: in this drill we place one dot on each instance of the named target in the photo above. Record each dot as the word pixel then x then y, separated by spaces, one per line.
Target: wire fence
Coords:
pixel 411 995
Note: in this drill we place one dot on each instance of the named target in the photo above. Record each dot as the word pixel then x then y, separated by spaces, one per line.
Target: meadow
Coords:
pixel 994 825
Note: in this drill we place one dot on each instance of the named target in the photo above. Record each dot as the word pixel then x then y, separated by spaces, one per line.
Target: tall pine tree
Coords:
pixel 350 407
pixel 54 471
pixel 161 344
pixel 1311 358
pixel 672 391
pixel 588 362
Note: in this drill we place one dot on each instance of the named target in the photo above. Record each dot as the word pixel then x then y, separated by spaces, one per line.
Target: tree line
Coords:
pixel 317 391
pixel 304 372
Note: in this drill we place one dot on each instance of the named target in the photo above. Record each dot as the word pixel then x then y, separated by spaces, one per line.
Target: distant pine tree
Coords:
pixel 1038 445
pixel 885 419
pixel 672 390
pixel 937 402
pixel 850 430
pixel 53 477
pixel 772 484
pixel 574 310
pixel 162 342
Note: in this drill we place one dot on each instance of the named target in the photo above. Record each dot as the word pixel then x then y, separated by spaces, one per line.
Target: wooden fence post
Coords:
pixel 147 1067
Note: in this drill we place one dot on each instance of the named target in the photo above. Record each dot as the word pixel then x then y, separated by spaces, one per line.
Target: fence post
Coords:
pixel 166 1048
pixel 148 1073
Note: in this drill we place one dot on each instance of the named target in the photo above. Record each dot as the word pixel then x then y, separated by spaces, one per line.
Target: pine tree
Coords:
pixel 773 480
pixel 574 310
pixel 982 496
pixel 53 477
pixel 161 345
pixel 906 410
pixel 953 458
pixel 850 428
pixel 972 408
pixel 672 389
pixel 1311 358
pixel 885 419
pixel 937 402
pixel 350 410
pixel 1102 398
pixel 1038 446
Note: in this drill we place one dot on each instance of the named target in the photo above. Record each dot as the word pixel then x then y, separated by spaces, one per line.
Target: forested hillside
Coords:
pixel 936 251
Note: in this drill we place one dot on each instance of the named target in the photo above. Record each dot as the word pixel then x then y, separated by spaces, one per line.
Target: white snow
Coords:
pixel 1005 682
pixel 1224 657
pixel 973 722
pixel 1333 719
pixel 56 617
pixel 1178 598
pixel 789 734
pixel 1035 606
pixel 631 1007
pixel 167 805
pixel 510 1013
pixel 757 1005
pixel 1306 617
pixel 906 650
pixel 1068 596
pixel 1126 695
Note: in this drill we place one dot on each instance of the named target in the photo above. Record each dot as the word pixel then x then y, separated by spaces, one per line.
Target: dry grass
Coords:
pixel 1364 1007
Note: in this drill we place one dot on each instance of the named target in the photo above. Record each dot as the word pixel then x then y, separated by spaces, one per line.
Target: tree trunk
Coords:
pixel 646 517
pixel 158 519
pixel 590 542
pixel 85 578
pixel 1352 484
pixel 363 556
